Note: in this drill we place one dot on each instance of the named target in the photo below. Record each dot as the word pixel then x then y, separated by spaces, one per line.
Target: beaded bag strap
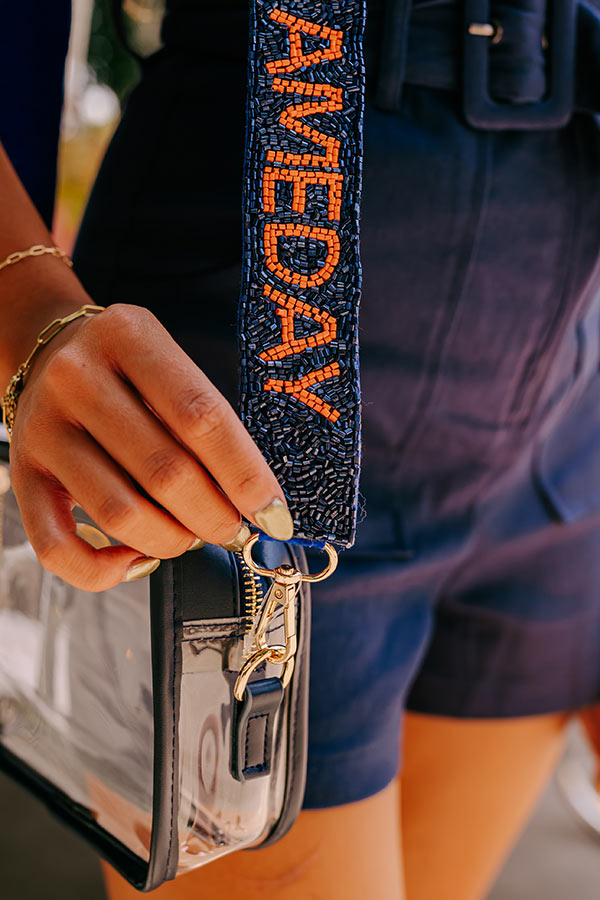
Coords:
pixel 298 325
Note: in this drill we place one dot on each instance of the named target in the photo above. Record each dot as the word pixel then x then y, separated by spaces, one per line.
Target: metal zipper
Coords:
pixel 253 591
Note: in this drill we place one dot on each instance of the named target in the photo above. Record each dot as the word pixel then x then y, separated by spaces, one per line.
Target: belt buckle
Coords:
pixel 555 109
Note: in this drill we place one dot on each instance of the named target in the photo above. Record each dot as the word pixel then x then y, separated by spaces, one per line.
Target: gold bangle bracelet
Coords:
pixel 17 382
pixel 36 250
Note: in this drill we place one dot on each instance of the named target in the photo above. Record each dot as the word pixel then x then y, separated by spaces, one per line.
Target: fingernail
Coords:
pixel 92 536
pixel 142 567
pixel 197 544
pixel 275 520
pixel 239 540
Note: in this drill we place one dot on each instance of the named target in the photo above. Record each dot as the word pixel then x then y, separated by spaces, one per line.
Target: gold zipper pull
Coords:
pixel 283 591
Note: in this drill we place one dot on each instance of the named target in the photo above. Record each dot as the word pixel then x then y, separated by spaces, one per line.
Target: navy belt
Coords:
pixel 520 65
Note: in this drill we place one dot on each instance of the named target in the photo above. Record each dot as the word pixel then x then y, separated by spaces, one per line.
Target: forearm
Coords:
pixel 34 291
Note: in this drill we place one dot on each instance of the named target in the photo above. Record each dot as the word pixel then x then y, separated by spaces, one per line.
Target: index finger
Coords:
pixel 200 417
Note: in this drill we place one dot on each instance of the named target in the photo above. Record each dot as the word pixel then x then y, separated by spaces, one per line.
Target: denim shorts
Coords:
pixel 472 589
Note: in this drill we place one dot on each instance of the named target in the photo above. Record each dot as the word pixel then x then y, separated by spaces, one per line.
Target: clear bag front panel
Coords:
pixel 76 705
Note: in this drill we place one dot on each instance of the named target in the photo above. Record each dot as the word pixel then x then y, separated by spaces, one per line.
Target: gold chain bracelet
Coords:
pixel 17 382
pixel 36 250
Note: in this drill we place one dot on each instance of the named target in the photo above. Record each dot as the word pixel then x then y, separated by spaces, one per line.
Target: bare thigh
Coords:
pixel 468 788
pixel 343 853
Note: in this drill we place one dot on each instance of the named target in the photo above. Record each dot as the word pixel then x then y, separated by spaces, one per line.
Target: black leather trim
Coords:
pixel 165 612
pixel 165 615
pixel 253 729
pixel 74 815
pixel 271 554
pixel 209 584
pixel 204 584
pixel 297 713
pixel 78 818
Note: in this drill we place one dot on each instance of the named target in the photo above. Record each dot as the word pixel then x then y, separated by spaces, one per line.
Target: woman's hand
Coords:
pixel 112 403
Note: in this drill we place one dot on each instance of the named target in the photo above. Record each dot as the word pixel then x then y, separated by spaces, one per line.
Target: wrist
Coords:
pixel 50 333
pixel 43 290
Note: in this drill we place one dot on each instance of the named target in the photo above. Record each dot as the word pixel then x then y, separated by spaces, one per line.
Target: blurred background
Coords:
pixel 558 856
pixel 99 74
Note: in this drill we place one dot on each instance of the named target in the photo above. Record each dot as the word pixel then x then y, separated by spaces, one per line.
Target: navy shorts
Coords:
pixel 473 588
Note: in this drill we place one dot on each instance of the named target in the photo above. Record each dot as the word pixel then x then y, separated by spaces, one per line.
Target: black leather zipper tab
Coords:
pixel 254 729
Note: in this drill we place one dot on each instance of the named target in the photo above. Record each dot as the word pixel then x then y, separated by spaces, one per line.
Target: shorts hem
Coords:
pixel 340 778
pixel 466 698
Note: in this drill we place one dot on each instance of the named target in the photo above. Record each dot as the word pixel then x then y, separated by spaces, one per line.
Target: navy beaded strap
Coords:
pixel 298 326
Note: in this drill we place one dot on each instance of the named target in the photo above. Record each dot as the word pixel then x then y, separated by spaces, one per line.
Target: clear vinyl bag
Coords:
pixel 118 708
pixel 168 722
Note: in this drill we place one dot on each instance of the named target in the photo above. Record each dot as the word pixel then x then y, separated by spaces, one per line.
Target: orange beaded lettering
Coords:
pixel 298 59
pixel 299 179
pixel 301 275
pixel 325 98
pixel 274 230
pixel 318 167
pixel 288 307
pixel 299 389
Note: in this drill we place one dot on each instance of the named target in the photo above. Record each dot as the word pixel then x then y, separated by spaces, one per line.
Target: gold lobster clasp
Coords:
pixel 283 591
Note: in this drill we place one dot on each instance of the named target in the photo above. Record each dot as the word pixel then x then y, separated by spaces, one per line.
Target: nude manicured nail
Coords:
pixel 275 520
pixel 197 544
pixel 92 536
pixel 237 542
pixel 142 567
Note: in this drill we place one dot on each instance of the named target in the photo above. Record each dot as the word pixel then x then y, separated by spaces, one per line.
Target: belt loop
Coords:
pixel 390 77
